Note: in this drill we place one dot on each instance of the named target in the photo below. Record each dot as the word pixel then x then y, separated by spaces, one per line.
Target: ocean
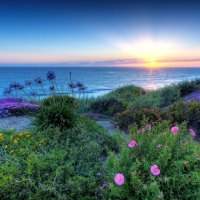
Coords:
pixel 98 80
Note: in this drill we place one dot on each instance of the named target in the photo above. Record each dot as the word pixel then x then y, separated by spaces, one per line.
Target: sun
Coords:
pixel 152 62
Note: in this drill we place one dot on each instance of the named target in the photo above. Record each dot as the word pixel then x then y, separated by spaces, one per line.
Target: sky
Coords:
pixel 100 33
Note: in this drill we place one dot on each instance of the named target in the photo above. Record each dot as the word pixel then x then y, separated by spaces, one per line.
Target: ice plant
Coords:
pixel 192 132
pixel 132 144
pixel 119 179
pixel 174 130
pixel 155 170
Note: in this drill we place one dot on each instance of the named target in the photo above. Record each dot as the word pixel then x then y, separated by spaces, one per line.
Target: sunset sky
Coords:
pixel 100 33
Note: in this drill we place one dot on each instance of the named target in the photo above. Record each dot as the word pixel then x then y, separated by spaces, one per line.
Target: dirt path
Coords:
pixel 194 96
pixel 18 123
pixel 103 121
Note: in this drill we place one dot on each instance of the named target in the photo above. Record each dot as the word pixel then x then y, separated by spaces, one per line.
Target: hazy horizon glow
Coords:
pixel 100 33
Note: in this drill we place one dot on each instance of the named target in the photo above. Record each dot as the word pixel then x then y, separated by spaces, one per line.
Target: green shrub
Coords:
pixel 149 100
pixel 136 116
pixel 177 157
pixel 126 93
pixel 56 116
pixel 107 106
pixel 169 95
pixel 62 100
pixel 187 87
pixel 53 165
pixel 180 112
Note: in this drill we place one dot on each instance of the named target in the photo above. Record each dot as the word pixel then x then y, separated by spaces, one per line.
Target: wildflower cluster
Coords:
pixel 9 106
pixel 34 89
pixel 151 158
pixel 12 142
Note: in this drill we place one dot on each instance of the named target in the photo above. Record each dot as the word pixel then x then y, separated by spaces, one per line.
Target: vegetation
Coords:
pixel 68 156
pixel 53 164
pixel 161 165
pixel 108 106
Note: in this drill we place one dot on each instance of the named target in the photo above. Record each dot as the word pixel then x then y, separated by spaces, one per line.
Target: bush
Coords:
pixel 54 165
pixel 126 93
pixel 56 116
pixel 169 95
pixel 136 116
pixel 180 112
pixel 62 100
pixel 107 106
pixel 187 87
pixel 149 100
pixel 177 157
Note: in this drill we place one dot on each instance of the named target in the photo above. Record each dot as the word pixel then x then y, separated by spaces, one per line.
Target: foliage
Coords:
pixel 56 116
pixel 150 100
pixel 84 104
pixel 156 99
pixel 61 100
pixel 126 93
pixel 169 95
pixel 180 112
pixel 106 106
pixel 54 165
pixel 177 157
pixel 187 86
pixel 136 116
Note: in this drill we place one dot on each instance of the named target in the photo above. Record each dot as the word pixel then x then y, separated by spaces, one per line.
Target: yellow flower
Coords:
pixel 20 134
pixel 15 141
pixel 1 136
pixel 11 151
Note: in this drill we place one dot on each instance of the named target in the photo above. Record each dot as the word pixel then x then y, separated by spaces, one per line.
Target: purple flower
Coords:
pixel 79 84
pixel 72 85
pixel 20 87
pixel 119 179
pixel 7 91
pixel 82 87
pixel 155 170
pixel 33 94
pixel 28 83
pixel 159 146
pixel 11 104
pixel 51 76
pixel 14 85
pixel 192 132
pixel 52 88
pixel 132 144
pixel 174 130
pixel 39 81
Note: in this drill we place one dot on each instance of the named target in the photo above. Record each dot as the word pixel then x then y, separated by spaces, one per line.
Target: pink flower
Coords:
pixel 174 130
pixel 155 170
pixel 192 132
pixel 159 146
pixel 132 144
pixel 119 179
pixel 148 127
